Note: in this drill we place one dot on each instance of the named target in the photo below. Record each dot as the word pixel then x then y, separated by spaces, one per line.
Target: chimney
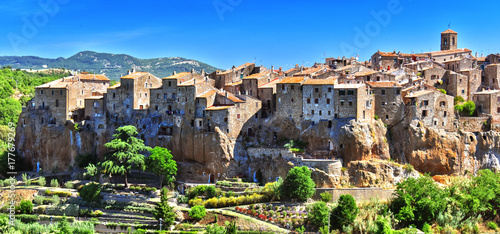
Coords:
pixel 173 73
pixel 128 72
pixel 281 69
pixel 476 54
pixel 133 70
pixel 203 72
pixel 296 65
pixel 272 69
pixel 192 70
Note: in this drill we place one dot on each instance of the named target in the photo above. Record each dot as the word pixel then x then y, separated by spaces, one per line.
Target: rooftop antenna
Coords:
pixel 449 25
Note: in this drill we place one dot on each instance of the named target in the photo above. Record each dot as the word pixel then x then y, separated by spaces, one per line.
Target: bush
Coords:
pixel 298 184
pixel 68 185
pixel 38 200
pixel 326 197
pixel 26 207
pixel 91 192
pixel 54 183
pixel 442 91
pixel 27 218
pixel 468 108
pixel 458 99
pixel 197 212
pixel 492 225
pixel 41 209
pixel 318 215
pixel 375 117
pixel 41 181
pixel 58 193
pixel 63 209
pixel 345 212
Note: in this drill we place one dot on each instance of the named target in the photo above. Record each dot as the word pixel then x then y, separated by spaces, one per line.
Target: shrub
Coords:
pixel 55 200
pixel 345 212
pixel 442 91
pixel 41 181
pixel 96 213
pixel 63 209
pixel 196 202
pixel 26 179
pixel 408 168
pixel 375 117
pixel 298 184
pixel 40 209
pixel 91 192
pixel 458 99
pixel 38 200
pixel 492 225
pixel 27 218
pixel 318 216
pixel 68 185
pixel 197 212
pixel 54 183
pixel 326 197
pixel 1 183
pixel 26 207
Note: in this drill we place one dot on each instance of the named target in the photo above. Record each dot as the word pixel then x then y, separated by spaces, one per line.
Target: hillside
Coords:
pixel 113 65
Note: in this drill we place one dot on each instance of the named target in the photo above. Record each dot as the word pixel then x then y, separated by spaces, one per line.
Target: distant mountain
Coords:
pixel 113 65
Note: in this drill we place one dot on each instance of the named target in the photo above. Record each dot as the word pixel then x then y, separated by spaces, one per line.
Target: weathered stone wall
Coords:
pixel 473 124
pixel 360 194
pixel 318 102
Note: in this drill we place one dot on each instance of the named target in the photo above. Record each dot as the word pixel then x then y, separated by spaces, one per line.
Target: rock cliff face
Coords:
pixel 364 150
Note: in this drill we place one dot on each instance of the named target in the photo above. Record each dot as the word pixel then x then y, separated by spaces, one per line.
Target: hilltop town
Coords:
pixel 235 122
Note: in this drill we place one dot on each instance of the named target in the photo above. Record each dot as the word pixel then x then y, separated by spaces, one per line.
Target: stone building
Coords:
pixel 232 75
pixel 336 63
pixel 488 103
pixel 447 55
pixel 449 40
pixel 460 63
pixel 353 101
pixel 318 100
pixel 63 98
pixel 289 98
pixel 492 59
pixel 316 72
pixel 492 76
pixel 388 101
pixel 429 106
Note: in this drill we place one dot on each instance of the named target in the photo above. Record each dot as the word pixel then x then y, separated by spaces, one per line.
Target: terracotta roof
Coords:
pixel 416 55
pixel 487 92
pixel 230 96
pixel 310 71
pixel 115 86
pixel 291 70
pixel 383 84
pixel 92 77
pixel 271 84
pixel 420 93
pixel 292 80
pixel 207 93
pixel 58 84
pixel 349 86
pixel 216 108
pixel 235 83
pixel 256 75
pixel 134 75
pixel 365 73
pixel 328 81
pixel 178 75
pixel 387 54
pixel 481 59
pixel 449 31
pixel 465 50
pixel 237 68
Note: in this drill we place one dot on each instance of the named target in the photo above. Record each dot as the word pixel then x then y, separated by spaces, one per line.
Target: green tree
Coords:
pixel 91 170
pixel 91 192
pixel 161 163
pixel 10 109
pixel 63 226
pixel 41 181
pixel 163 210
pixel 26 207
pixel 197 212
pixel 318 215
pixel 344 213
pixel 298 184
pixel 125 153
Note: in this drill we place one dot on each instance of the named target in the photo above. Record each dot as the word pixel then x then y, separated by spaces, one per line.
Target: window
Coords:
pixel 41 92
pixel 463 91
pixel 170 83
pixel 114 107
pixel 157 96
pixel 329 113
pixel 282 87
pixel 165 96
pixel 225 120
pixel 156 107
pixel 329 89
pixel 341 92
pixel 96 104
pixel 308 101
pixel 316 90
pixel 292 87
pixel 60 92
pixel 328 101
pixel 320 112
pixel 424 113
pixel 442 103
pixel 146 85
pixel 57 103
pixel 341 103
pixel 292 99
pixel 350 92
pixel 52 92
pixel 382 91
pixel 350 103
pixel 82 92
pixel 398 91
pixel 312 112
pixel 498 109
pixel 316 101
pixel 444 115
pixel 425 103
pixel 145 95
pixel 114 95
pixel 383 103
pixel 238 116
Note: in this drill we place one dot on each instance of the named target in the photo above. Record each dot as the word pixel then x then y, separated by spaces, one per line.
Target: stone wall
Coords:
pixel 473 124
pixel 360 194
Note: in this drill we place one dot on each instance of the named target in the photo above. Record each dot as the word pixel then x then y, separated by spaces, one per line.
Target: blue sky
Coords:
pixel 223 33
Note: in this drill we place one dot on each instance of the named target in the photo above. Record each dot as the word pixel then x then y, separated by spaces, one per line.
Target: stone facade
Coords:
pixel 431 107
pixel 232 75
pixel 388 101
pixel 492 76
pixel 353 101
pixel 318 100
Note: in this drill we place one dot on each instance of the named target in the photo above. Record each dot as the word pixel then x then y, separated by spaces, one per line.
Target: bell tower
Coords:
pixel 449 40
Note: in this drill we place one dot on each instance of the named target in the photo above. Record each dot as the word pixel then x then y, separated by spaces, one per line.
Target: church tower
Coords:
pixel 449 40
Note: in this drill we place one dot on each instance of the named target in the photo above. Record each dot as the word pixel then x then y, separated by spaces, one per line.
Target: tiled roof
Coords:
pixel 178 75
pixel 134 75
pixel 235 83
pixel 387 54
pixel 291 70
pixel 310 71
pixel 481 59
pixel 349 86
pixel 92 77
pixel 486 92
pixel 328 81
pixel 256 75
pixel 365 73
pixel 465 50
pixel 449 31
pixel 58 84
pixel 216 108
pixel 271 84
pixel 230 96
pixel 114 86
pixel 207 93
pixel 237 68
pixel 416 55
pixel 292 80
pixel 383 84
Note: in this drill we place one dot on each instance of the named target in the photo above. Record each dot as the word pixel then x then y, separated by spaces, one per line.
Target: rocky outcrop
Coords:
pixel 363 141
pixel 488 150
pixel 383 174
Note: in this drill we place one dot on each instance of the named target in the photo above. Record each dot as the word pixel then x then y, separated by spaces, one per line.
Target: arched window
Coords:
pixel 96 104
pixel 445 41
pixel 100 126
pixel 452 41
pixel 146 85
